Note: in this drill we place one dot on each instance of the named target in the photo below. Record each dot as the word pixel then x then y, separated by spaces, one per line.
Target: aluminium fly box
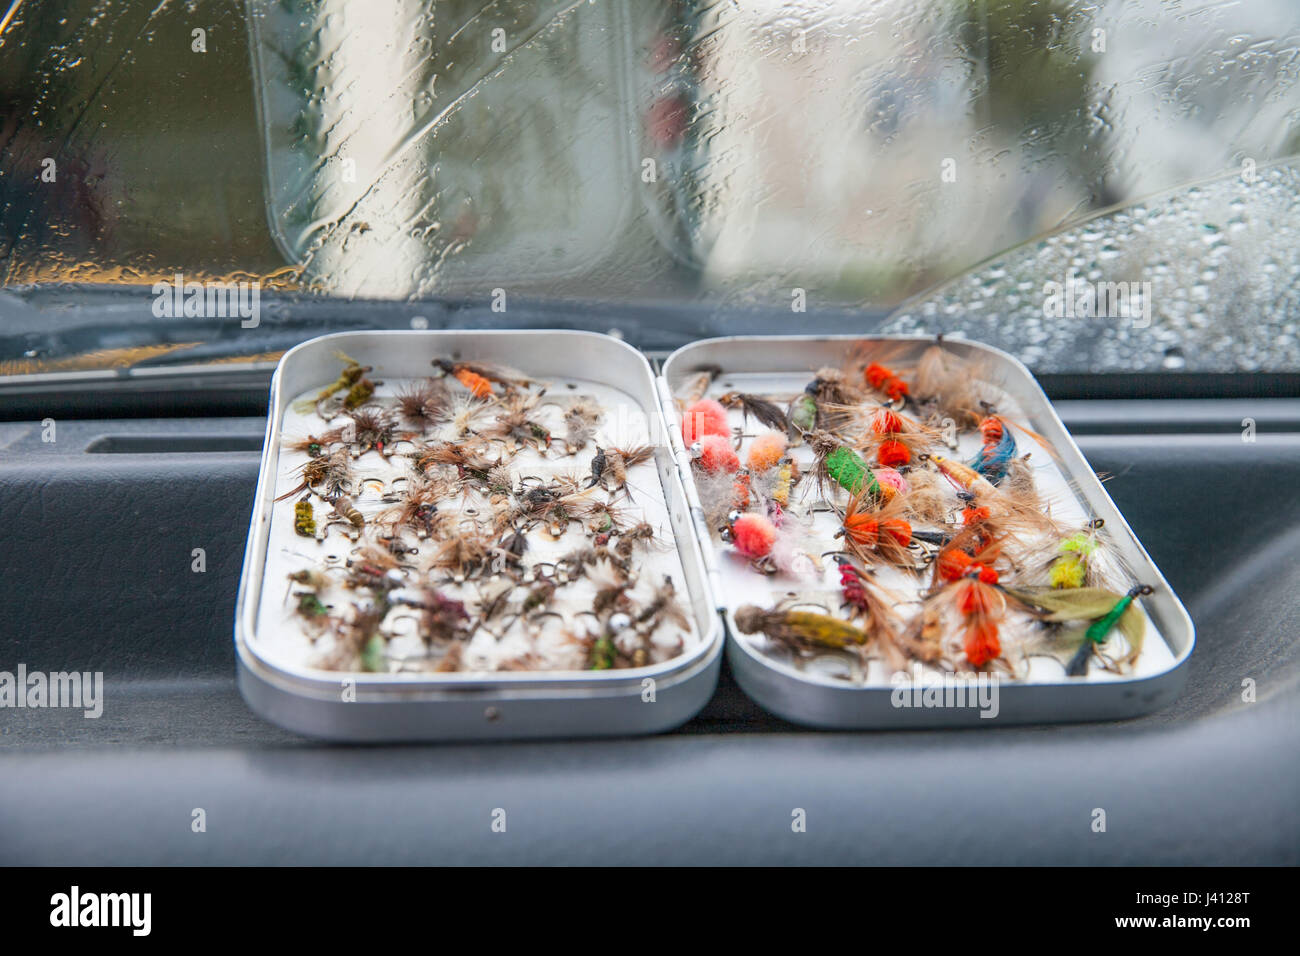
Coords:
pixel 403 696
pixel 313 578
pixel 832 689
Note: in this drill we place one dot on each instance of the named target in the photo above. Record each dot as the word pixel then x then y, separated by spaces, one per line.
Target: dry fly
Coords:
pixel 494 605
pixel 611 582
pixel 873 607
pixel 833 390
pixel 516 423
pixel 468 458
pixel 581 420
pixel 462 554
pixel 950 385
pixel 496 484
pixel 1015 509
pixel 576 562
pixel 418 510
pixel 464 413
pixel 764 410
pixel 927 496
pixel 1019 485
pixel 554 505
pixel 890 438
pixel 610 467
pixel 877 535
pixel 663 608
pixel 372 567
pixel 370 429
pixel 828 470
pixel 424 403
pixel 511 549
pixel 328 476
pixel 604 519
pixel 642 533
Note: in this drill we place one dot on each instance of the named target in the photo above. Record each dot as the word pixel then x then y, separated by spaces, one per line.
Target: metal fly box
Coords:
pixel 341 559
pixel 836 690
pixel 498 690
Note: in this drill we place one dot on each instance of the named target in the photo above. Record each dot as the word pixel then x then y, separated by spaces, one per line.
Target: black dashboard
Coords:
pixel 101 527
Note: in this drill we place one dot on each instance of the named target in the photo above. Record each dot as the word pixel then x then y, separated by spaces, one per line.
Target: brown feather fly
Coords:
pixel 371 429
pixel 328 475
pixel 462 553
pixel 765 411
pixel 517 423
pixel 581 420
pixel 469 458
pixel 950 385
pixel 424 403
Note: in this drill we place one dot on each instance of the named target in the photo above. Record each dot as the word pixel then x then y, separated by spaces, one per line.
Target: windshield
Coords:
pixel 1094 186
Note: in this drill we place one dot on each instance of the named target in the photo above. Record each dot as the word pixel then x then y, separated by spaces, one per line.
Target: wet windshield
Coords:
pixel 764 165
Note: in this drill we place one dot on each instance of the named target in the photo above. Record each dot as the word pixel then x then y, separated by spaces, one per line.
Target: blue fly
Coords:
pixel 995 457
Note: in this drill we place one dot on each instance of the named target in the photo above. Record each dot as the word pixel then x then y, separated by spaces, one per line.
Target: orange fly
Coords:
pixel 874 535
pixel 971 587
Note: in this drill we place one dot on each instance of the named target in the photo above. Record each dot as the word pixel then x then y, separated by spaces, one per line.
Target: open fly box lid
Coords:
pixel 884 682
pixel 307 586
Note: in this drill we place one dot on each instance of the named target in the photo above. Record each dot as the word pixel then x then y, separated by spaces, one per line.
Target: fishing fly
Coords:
pixel 869 602
pixel 328 475
pixel 352 378
pixel 800 629
pixel 1092 613
pixel 760 409
pixel 883 379
pixel 425 403
pixel 581 420
pixel 480 378
pixel 517 423
pixel 1075 565
pixel 875 535
pixel 837 464
pixel 965 582
pixel 896 438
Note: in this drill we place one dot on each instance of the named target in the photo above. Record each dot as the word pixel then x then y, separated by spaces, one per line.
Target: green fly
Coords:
pixel 1100 629
pixel 841 464
pixel 803 411
pixel 1103 610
